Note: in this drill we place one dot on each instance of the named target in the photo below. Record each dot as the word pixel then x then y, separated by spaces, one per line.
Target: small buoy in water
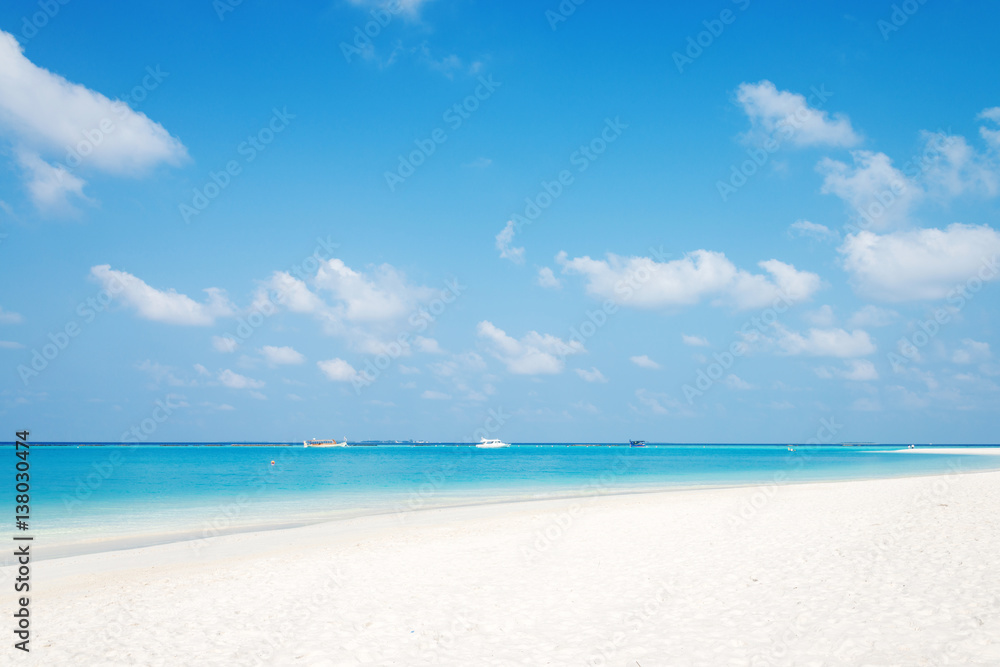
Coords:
pixel 272 462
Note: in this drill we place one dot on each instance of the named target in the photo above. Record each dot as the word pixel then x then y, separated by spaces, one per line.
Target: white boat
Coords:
pixel 492 444
pixel 324 443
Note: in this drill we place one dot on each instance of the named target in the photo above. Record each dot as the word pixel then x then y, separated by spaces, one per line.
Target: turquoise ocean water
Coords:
pixel 92 498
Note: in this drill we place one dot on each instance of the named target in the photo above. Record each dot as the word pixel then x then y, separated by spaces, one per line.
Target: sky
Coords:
pixel 543 222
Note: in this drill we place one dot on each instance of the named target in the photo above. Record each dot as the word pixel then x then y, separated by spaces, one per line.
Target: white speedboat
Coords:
pixel 324 443
pixel 492 444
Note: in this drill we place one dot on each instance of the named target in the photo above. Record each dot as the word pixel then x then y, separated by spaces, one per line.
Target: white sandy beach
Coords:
pixel 883 572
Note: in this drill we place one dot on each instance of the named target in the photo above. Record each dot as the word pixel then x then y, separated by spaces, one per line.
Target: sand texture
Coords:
pixel 883 572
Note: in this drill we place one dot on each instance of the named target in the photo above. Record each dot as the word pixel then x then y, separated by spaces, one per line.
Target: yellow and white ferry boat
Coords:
pixel 324 443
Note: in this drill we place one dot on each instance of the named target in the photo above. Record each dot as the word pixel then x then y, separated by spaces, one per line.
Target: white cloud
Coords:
pixel 290 292
pixel 534 354
pixel 408 370
pixel 479 163
pixel 866 405
pixel 758 291
pixel 642 361
pixel 735 382
pixel 787 116
pixel 645 283
pixel 460 370
pixel 593 375
pixel 992 113
pixel 812 230
pixel 201 370
pixel 873 316
pixel 860 370
pixel 825 342
pixel 367 308
pixel 224 344
pixel 281 355
pixel 957 168
pixel 882 197
pixel 821 317
pixel 427 345
pixel 11 345
pixel 587 407
pixel 546 278
pixel 458 364
pixel 503 244
pixel 237 381
pixel 161 373
pixel 43 113
pixel 920 264
pixel 991 136
pixel 337 370
pixel 659 403
pixel 435 395
pixel 694 341
pixel 382 295
pixel 410 7
pixel 879 195
pixel 50 186
pixel 8 317
pixel 449 64
pixel 159 306
pixel 376 344
pixel 971 352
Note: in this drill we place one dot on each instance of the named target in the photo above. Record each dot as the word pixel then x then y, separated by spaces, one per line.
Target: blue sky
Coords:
pixel 727 222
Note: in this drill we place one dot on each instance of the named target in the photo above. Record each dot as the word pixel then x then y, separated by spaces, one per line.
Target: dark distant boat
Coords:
pixel 636 443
